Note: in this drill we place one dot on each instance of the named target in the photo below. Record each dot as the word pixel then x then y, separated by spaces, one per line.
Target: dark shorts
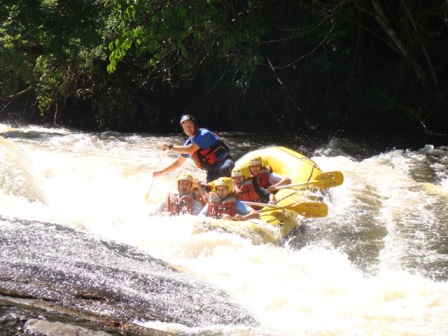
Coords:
pixel 220 169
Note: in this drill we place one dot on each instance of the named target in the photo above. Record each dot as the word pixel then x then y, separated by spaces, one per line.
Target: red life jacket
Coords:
pixel 217 207
pixel 263 176
pixel 207 157
pixel 246 192
pixel 176 205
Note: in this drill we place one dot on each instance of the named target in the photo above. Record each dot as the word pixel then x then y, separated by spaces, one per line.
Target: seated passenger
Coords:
pixel 224 205
pixel 199 192
pixel 265 177
pixel 182 202
pixel 246 190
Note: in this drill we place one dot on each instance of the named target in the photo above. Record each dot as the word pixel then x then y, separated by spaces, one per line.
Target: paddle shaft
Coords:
pixel 264 204
pixel 152 180
pixel 305 209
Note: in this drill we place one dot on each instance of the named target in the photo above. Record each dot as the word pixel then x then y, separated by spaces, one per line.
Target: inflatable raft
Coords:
pixel 302 198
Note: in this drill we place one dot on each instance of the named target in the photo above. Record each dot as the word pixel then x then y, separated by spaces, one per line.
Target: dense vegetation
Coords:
pixel 258 65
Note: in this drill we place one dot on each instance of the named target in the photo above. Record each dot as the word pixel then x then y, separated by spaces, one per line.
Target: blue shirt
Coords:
pixel 204 139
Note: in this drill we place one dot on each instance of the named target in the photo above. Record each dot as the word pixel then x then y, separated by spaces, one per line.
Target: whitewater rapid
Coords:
pixel 376 265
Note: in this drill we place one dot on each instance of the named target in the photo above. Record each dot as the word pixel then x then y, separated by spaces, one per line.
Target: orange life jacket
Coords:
pixel 217 207
pixel 246 192
pixel 263 176
pixel 176 205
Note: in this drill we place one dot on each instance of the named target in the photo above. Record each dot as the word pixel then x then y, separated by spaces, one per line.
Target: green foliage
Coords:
pixel 109 102
pixel 323 61
pixel 176 39
pixel 14 61
pixel 49 45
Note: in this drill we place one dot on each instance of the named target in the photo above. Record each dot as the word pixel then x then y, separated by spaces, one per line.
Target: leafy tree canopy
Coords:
pixel 126 63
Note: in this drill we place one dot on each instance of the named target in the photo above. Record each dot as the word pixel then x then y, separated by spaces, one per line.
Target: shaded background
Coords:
pixel 260 66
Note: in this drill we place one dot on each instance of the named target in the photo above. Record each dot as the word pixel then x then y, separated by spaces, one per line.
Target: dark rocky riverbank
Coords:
pixel 51 273
pixel 19 316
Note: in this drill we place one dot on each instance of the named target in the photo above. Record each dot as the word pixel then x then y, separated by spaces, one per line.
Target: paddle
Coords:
pixel 152 180
pixel 305 209
pixel 322 181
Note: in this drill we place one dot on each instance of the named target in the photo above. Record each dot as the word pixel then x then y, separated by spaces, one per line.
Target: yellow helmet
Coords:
pixel 185 176
pixel 256 161
pixel 210 186
pixel 237 173
pixel 224 182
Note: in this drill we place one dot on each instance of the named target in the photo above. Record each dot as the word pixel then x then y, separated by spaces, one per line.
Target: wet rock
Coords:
pixel 76 272
pixel 59 329
pixel 20 316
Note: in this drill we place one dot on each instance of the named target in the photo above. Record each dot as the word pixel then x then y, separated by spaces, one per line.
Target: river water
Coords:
pixel 76 228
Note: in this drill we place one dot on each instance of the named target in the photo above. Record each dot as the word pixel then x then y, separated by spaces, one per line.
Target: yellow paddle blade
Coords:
pixel 322 181
pixel 309 209
pixel 330 179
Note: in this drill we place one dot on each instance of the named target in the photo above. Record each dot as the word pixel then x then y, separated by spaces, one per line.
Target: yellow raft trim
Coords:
pixel 283 161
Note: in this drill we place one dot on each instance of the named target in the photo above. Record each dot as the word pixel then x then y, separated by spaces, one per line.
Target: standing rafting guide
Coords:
pixel 208 151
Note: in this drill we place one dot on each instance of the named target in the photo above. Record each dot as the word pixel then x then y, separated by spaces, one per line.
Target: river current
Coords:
pixel 76 227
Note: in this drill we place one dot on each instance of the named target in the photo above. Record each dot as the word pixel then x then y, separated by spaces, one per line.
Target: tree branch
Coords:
pixel 403 50
pixel 16 95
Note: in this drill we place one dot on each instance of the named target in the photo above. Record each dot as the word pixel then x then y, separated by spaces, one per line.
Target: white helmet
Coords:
pixel 256 161
pixel 186 177
pixel 237 173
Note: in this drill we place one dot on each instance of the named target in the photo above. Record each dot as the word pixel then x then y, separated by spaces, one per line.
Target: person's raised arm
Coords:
pixel 189 149
pixel 176 164
pixel 251 213
pixel 281 180
pixel 198 184
pixel 265 195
